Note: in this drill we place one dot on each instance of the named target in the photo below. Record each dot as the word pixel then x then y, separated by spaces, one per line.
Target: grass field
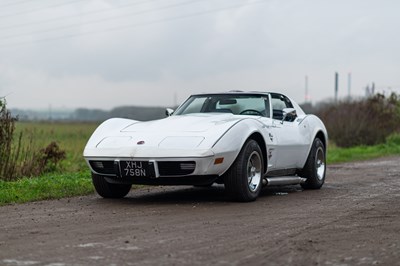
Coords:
pixel 73 178
pixel 71 137
pixel 358 153
pixel 48 186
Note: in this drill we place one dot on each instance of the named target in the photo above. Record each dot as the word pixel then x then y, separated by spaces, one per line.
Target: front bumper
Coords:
pixel 164 168
pixel 187 180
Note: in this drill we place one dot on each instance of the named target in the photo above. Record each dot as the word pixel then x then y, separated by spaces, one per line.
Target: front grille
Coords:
pixel 103 167
pixel 176 168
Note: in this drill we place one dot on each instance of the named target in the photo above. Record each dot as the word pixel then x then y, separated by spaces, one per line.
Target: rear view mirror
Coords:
pixel 289 114
pixel 169 111
pixel 227 101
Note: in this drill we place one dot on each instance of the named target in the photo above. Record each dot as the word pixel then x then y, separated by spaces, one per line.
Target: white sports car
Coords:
pixel 244 140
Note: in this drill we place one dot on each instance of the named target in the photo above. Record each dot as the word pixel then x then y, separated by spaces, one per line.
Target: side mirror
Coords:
pixel 289 113
pixel 169 111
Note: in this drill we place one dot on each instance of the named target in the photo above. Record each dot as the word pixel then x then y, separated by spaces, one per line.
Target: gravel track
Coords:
pixel 353 220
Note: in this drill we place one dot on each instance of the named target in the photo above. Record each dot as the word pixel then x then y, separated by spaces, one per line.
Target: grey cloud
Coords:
pixel 281 40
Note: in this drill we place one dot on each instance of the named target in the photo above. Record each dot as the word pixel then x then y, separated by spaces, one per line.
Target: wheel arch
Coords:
pixel 322 137
pixel 256 136
pixel 233 140
pixel 320 134
pixel 318 130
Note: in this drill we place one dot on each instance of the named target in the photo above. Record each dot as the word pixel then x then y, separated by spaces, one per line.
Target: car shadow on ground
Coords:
pixel 190 195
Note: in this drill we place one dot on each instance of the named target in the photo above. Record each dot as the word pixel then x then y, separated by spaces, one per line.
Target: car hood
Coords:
pixel 184 123
pixel 184 132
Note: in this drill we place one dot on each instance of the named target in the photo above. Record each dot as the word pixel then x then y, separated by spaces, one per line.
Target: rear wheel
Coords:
pixel 315 167
pixel 108 190
pixel 243 181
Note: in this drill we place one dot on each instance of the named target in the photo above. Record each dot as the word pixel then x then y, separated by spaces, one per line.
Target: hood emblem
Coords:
pixel 140 142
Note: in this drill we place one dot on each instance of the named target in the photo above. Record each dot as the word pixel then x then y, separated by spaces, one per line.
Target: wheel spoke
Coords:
pixel 320 163
pixel 254 171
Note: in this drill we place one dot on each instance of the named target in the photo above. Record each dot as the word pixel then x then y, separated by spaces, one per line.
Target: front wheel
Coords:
pixel 243 181
pixel 315 167
pixel 108 190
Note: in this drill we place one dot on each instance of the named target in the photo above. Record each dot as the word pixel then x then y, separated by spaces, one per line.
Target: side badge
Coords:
pixel 271 137
pixel 140 142
pixel 270 153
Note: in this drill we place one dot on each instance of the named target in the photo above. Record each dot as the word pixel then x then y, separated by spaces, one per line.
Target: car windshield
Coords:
pixel 226 103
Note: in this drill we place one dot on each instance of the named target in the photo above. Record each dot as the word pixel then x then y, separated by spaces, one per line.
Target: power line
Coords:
pixel 195 14
pixel 16 3
pixel 99 20
pixel 73 16
pixel 40 8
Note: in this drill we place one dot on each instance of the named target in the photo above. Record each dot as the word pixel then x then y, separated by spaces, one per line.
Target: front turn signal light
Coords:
pixel 219 160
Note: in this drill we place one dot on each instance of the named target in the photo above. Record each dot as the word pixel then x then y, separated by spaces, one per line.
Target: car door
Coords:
pixel 291 136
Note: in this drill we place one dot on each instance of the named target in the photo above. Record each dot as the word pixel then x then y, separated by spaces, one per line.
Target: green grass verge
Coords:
pixel 57 185
pixel 50 186
pixel 359 153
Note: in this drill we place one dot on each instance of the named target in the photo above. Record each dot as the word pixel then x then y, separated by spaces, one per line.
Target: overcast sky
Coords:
pixel 108 53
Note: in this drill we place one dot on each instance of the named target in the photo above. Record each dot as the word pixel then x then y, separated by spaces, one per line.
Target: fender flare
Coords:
pixel 235 137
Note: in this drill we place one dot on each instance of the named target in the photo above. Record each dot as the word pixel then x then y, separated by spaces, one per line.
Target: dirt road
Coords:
pixel 353 220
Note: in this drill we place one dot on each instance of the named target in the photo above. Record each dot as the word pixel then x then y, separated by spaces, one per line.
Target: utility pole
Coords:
pixel 349 85
pixel 306 96
pixel 336 86
pixel 175 100
pixel 367 91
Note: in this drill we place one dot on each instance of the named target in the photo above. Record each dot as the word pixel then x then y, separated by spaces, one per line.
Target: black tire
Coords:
pixel 315 168
pixel 108 190
pixel 243 180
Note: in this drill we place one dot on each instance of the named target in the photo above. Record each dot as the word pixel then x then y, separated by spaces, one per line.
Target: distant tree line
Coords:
pixel 91 115
pixel 366 121
pixel 131 112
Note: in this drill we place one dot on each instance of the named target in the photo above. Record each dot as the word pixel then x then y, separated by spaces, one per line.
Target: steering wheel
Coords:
pixel 251 112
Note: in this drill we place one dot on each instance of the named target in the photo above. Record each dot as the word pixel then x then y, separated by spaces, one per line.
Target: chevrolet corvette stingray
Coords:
pixel 243 140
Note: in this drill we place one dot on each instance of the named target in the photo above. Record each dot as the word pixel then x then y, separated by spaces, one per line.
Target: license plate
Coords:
pixel 136 169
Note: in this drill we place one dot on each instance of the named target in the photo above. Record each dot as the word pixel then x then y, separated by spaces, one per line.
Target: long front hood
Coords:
pixel 183 124
pixel 188 136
